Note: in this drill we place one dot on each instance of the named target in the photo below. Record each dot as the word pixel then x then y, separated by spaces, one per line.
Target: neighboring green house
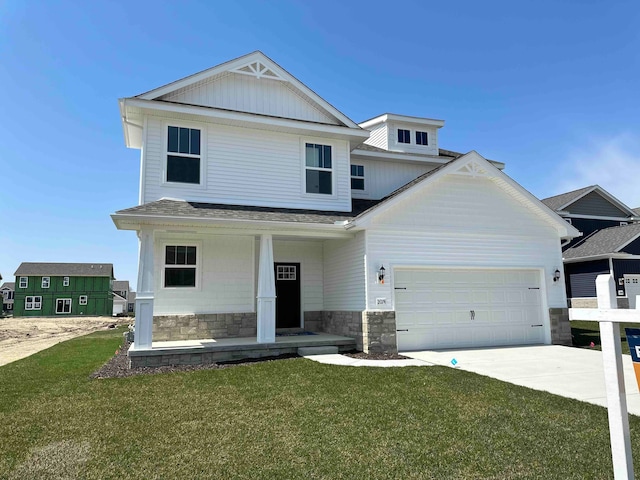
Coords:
pixel 51 289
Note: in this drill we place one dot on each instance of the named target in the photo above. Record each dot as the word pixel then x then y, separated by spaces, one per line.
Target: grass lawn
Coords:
pixel 584 333
pixel 287 419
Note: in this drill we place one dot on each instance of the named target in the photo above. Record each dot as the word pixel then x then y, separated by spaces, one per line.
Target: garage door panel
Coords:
pixel 436 308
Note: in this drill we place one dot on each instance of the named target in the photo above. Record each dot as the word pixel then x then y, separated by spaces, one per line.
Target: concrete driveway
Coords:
pixel 570 372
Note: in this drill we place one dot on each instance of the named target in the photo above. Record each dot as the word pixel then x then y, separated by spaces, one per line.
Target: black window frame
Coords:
pixel 180 266
pixel 318 172
pixel 184 155
pixel 419 136
pixel 357 177
pixel 404 135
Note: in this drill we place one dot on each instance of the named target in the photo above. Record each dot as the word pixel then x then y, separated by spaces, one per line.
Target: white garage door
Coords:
pixel 118 308
pixel 437 308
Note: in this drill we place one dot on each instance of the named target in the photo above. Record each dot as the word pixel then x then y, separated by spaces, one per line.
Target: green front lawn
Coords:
pixel 586 333
pixel 287 419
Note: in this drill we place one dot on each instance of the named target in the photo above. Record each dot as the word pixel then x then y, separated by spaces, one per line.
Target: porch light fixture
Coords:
pixel 381 274
pixel 556 275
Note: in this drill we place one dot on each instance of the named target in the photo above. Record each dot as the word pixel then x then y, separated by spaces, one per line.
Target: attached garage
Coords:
pixel 458 308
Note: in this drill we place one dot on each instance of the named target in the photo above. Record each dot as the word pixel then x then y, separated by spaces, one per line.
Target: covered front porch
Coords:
pixel 205 351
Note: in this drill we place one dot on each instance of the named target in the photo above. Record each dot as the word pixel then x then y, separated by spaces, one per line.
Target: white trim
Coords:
pixel 392 117
pixel 83 299
pixel 33 302
pixel 202 127
pixel 604 256
pixel 332 170
pixel 239 63
pixel 592 217
pixel 26 282
pixel 64 304
pixel 198 266
pixel 65 281
pixel 45 284
pixel 357 177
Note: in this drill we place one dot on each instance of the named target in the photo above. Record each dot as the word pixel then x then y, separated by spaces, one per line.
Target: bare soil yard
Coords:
pixel 24 336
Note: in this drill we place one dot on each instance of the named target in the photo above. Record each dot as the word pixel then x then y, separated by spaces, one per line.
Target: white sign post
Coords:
pixel 609 318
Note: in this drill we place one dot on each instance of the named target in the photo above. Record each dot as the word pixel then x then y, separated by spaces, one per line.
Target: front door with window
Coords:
pixel 287 295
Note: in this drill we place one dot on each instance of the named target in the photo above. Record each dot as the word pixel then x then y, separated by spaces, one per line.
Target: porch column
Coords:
pixel 266 292
pixel 144 296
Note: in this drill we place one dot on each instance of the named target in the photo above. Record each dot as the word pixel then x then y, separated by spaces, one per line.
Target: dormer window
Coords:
pixel 421 138
pixel 357 177
pixel 318 169
pixel 404 136
pixel 183 155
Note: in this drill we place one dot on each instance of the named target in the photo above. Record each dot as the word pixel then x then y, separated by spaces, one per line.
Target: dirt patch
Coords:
pixel 24 336
pixel 375 356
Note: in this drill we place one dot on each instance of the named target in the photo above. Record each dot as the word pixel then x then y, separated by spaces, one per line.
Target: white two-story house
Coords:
pixel 263 207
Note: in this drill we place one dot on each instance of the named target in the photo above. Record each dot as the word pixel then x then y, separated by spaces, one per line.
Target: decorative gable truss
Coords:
pixel 474 169
pixel 258 69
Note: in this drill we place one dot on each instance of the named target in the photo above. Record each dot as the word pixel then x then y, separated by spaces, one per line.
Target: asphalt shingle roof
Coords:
pixel 558 201
pixel 9 285
pixel 121 285
pixel 607 240
pixel 66 269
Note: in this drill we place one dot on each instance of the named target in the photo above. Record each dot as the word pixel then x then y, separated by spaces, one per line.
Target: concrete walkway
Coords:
pixel 570 372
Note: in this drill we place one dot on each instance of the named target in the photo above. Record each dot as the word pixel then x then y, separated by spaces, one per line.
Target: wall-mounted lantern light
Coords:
pixel 556 275
pixel 381 274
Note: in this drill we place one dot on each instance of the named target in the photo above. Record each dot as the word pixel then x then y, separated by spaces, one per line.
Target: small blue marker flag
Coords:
pixel 454 362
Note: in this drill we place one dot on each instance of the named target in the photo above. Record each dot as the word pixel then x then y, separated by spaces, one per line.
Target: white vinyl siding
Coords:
pixel 244 93
pixel 224 283
pixel 309 255
pixel 462 221
pixel 382 178
pixel 412 146
pixel 247 167
pixel 344 274
pixel 379 137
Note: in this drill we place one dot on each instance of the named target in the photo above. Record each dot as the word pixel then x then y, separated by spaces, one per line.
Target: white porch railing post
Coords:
pixel 145 294
pixel 266 321
pixel 614 382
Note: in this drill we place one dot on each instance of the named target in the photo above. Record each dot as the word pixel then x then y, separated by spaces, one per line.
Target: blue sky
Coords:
pixel 551 88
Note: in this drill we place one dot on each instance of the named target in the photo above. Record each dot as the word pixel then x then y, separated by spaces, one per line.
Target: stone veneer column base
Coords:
pixel 204 325
pixel 560 326
pixel 379 332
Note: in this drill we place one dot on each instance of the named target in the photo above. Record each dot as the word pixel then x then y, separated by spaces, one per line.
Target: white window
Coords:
pixel 357 177
pixel 83 300
pixel 422 138
pixel 63 305
pixel 183 155
pixel 622 224
pixel 286 272
pixel 24 282
pixel 318 168
pixel 404 136
pixel 10 295
pixel 45 282
pixel 65 281
pixel 33 303
pixel 180 264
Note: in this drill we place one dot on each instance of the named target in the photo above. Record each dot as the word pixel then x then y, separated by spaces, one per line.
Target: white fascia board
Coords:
pixel 392 117
pixel 239 62
pixel 593 217
pixel 564 229
pixel 365 154
pixel 604 256
pixel 251 120
pixel 134 222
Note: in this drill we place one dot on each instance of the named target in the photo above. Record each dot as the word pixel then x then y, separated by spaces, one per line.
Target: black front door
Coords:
pixel 287 295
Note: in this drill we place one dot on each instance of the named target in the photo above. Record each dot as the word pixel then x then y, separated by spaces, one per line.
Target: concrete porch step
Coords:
pixel 320 350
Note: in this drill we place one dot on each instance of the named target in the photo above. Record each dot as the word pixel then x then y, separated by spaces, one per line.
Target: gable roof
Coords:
pixel 606 241
pixel 472 163
pixel 66 269
pixel 8 285
pixel 256 64
pixel 562 201
pixel 121 285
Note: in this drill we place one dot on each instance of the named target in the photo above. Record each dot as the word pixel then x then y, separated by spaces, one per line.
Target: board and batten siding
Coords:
pixel 344 273
pixel 595 204
pixel 246 167
pixel 381 178
pixel 460 221
pixel 309 255
pixel 244 93
pixel 224 277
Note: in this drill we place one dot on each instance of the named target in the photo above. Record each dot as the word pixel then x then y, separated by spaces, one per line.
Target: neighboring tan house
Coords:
pixel 7 291
pixel 264 207
pixel 52 289
pixel 611 244
pixel 121 297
